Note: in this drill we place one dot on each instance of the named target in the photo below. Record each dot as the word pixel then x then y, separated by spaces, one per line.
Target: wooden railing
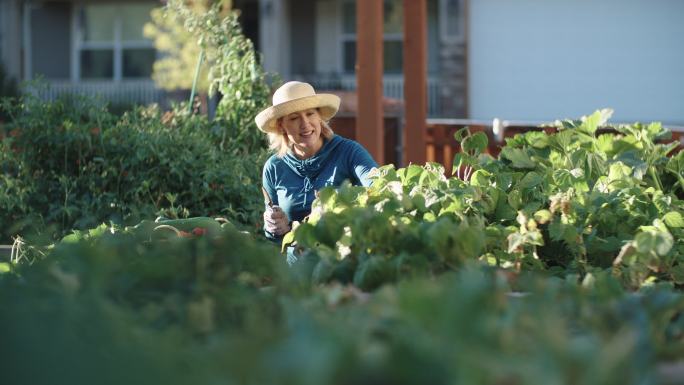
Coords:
pixel 392 86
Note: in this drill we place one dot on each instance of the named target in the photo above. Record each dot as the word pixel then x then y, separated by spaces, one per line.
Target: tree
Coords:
pixel 185 30
pixel 178 45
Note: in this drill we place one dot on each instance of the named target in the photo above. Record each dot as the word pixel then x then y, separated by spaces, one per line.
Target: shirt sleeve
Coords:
pixel 361 164
pixel 268 184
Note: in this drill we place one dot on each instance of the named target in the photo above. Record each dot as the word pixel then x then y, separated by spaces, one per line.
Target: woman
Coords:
pixel 308 155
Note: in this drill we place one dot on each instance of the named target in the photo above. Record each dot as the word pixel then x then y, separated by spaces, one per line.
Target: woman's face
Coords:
pixel 303 130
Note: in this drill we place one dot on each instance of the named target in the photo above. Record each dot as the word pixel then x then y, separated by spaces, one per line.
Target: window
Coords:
pixel 392 38
pixel 110 44
pixel 451 20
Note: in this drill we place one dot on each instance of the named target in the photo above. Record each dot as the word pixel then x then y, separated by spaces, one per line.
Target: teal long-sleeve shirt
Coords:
pixel 291 182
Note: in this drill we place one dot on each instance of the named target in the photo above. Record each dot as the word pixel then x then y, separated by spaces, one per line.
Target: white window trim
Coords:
pixel 344 37
pixel 117 45
pixel 445 36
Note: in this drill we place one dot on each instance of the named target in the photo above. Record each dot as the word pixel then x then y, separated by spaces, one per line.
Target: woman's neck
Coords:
pixel 304 153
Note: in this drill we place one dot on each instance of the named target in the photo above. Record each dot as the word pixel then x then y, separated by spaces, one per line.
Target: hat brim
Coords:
pixel 328 104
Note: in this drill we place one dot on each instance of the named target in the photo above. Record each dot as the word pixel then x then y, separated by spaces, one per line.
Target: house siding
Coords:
pixel 51 40
pixel 303 36
pixel 10 37
pixel 327 37
pixel 566 58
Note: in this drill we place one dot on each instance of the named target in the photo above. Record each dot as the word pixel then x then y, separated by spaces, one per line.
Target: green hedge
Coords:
pixel 72 164
pixel 114 310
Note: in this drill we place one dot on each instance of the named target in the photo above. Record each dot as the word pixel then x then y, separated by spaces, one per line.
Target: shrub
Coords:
pixel 70 164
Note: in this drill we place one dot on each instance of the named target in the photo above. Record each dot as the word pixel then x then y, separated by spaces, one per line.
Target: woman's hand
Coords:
pixel 275 221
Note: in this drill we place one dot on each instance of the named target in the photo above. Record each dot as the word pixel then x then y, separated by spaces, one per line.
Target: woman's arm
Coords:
pixel 361 164
pixel 276 222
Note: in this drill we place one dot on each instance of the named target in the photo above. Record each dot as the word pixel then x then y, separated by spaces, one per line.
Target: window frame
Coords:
pixel 346 37
pixel 444 33
pixel 117 45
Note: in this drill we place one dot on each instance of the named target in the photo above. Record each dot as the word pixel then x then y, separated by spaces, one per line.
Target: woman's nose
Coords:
pixel 304 122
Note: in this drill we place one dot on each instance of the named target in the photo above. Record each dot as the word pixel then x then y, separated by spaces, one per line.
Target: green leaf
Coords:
pixel 676 163
pixel 411 174
pixel 656 132
pixel 504 211
pixel 75 237
pixel 459 160
pixel 461 133
pixel 563 178
pixel 326 194
pixel 596 165
pixel 98 231
pixel 515 199
pixel 559 231
pixel 531 179
pixel 373 272
pixel 543 216
pixel 304 234
pixel 518 157
pixel 323 271
pixel 504 180
pixel 561 141
pixel 592 122
pixel 677 273
pixel 287 241
pixel 619 170
pixel 475 144
pixel 469 240
pixel 329 229
pixel 604 143
pixel 480 178
pixel 537 139
pixel 653 242
pixel 674 219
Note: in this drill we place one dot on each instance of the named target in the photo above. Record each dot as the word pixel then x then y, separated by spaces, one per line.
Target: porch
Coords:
pixel 122 93
pixel 130 92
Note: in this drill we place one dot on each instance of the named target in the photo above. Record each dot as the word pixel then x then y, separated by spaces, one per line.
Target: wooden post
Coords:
pixel 415 83
pixel 369 121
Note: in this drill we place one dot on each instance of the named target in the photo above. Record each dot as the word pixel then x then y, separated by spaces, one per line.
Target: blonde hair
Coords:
pixel 278 142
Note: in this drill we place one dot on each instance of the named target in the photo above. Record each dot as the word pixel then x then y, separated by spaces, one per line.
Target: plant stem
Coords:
pixel 655 177
pixel 194 81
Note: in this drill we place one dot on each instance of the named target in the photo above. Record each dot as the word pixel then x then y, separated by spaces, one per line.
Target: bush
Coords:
pixel 111 310
pixel 71 164
pixel 8 88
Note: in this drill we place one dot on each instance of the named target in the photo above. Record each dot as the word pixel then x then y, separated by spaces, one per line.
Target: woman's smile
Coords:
pixel 303 130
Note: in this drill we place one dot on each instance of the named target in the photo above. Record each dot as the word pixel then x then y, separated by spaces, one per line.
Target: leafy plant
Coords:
pixel 569 203
pixel 232 67
pixel 70 164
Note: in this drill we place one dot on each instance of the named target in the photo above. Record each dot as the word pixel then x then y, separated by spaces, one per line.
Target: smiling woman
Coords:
pixel 308 155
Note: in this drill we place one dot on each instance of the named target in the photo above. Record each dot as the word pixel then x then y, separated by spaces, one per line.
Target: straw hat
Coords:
pixel 292 97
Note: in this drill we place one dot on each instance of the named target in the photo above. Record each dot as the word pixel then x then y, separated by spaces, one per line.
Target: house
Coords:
pixel 315 41
pixel 97 46
pixel 86 46
pixel 522 60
